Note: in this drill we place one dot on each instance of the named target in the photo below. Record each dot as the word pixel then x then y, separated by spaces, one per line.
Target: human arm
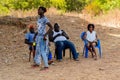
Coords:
pixel 27 42
pixel 27 38
pixel 49 31
pixel 50 36
pixel 64 34
pixel 35 36
pixel 96 39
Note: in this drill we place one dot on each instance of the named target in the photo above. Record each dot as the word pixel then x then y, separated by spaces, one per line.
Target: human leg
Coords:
pixel 34 48
pixel 37 58
pixel 30 55
pixel 59 47
pixel 94 51
pixel 43 51
pixel 88 45
pixel 72 48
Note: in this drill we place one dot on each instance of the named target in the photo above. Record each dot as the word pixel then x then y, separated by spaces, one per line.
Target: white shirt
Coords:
pixel 91 36
pixel 59 38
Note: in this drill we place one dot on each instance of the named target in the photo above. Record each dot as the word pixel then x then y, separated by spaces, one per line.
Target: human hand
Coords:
pixel 44 38
pixel 49 44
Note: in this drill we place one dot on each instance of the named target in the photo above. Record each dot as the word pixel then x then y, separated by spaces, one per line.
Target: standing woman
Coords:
pixel 41 38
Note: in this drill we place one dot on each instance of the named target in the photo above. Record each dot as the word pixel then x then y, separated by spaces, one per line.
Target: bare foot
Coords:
pixel 43 69
pixel 50 62
pixel 95 57
pixel 92 56
pixel 35 65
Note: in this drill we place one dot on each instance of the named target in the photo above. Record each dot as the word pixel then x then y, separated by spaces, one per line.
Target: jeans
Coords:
pixel 60 45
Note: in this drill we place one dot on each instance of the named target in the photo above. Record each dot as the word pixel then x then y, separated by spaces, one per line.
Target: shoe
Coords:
pixel 76 59
pixel 77 54
pixel 59 60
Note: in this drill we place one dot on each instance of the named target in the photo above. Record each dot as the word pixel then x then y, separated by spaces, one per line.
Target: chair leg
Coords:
pixel 100 52
pixel 86 52
pixel 83 51
pixel 70 54
pixel 64 53
pixel 55 54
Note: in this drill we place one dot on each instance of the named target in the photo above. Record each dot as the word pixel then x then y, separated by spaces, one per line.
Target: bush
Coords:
pixel 75 5
pixel 101 6
pixel 3 10
pixel 94 7
pixel 59 4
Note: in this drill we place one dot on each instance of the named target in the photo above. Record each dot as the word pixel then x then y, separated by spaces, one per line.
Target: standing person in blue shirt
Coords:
pixel 41 38
pixel 29 39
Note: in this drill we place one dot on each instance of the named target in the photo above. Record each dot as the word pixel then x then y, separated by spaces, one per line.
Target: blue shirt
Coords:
pixel 29 36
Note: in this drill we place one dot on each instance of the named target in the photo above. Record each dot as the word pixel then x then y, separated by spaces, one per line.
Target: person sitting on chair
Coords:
pixel 60 38
pixel 91 40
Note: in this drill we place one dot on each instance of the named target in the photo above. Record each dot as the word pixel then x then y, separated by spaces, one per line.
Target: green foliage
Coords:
pixel 64 5
pixel 59 4
pixel 101 6
pixel 3 10
pixel 92 6
pixel 75 5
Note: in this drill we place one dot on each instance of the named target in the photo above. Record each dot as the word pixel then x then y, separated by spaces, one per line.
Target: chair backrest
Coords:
pixel 98 43
pixel 82 35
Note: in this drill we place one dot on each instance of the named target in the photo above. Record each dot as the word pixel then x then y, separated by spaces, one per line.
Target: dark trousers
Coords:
pixel 61 45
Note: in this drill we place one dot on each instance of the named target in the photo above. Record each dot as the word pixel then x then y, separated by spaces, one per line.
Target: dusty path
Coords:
pixel 14 55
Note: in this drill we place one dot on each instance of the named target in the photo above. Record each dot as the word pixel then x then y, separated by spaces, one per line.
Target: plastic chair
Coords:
pixel 85 49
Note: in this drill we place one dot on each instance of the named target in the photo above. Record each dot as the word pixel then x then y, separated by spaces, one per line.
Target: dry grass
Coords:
pixel 111 19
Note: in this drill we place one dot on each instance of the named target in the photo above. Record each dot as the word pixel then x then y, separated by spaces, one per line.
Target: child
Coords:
pixel 91 38
pixel 41 39
pixel 29 40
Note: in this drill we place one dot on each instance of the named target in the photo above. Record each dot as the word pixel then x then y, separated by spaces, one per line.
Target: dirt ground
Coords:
pixel 14 63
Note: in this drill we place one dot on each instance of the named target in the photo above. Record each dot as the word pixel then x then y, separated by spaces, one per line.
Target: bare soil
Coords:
pixel 14 63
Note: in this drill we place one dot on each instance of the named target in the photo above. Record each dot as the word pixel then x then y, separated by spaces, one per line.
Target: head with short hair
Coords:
pixel 41 10
pixel 90 27
pixel 31 28
pixel 56 27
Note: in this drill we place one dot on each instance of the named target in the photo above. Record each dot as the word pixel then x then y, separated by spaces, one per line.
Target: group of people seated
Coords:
pixel 39 41
pixel 61 41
